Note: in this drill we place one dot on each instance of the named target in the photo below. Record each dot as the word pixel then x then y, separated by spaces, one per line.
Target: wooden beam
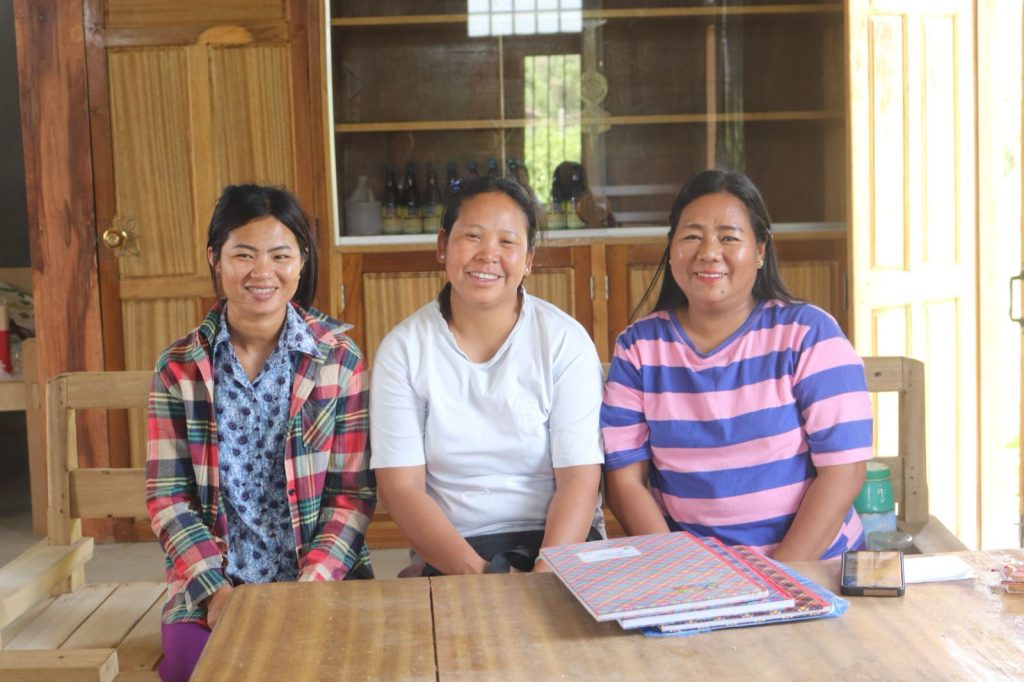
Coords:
pixel 92 665
pixel 30 576
pixel 98 493
pixel 59 193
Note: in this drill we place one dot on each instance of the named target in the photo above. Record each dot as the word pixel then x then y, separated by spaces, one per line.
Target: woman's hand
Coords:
pixel 820 514
pixel 632 502
pixel 216 604
pixel 431 534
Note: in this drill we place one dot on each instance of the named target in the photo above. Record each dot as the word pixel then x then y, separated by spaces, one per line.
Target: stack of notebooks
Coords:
pixel 677 583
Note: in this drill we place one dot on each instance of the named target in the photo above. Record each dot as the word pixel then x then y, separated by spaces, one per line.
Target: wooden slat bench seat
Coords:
pixel 53 626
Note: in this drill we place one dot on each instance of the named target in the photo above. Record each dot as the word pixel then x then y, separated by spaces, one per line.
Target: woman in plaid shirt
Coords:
pixel 257 464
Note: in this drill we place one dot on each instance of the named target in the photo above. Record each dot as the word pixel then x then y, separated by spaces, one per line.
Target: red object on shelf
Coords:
pixel 5 340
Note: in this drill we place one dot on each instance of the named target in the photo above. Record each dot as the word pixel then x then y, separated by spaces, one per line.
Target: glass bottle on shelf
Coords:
pixel 390 222
pixel 409 206
pixel 433 203
pixel 362 211
pixel 453 177
pixel 471 170
pixel 492 167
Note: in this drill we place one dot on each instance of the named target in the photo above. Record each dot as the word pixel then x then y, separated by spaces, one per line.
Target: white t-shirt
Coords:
pixel 491 433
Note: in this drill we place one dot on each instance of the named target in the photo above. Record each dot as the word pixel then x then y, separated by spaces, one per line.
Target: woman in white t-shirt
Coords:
pixel 484 403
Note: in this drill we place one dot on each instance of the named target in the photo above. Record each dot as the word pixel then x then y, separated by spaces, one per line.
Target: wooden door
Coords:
pixel 186 97
pixel 912 223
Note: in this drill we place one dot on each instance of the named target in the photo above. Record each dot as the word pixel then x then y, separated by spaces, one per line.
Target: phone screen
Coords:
pixel 873 569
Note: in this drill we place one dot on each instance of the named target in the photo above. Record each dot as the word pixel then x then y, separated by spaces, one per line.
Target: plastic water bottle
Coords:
pixel 875 503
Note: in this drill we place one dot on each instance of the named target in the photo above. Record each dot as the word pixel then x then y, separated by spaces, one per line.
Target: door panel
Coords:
pixel 912 222
pixel 250 92
pixel 149 115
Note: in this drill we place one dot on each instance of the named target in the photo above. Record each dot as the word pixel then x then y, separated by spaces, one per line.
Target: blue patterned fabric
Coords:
pixel 252 427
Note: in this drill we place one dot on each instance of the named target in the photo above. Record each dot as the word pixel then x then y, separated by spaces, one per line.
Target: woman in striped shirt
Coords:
pixel 734 410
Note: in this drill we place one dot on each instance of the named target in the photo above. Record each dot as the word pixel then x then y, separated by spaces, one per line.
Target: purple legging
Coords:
pixel 182 643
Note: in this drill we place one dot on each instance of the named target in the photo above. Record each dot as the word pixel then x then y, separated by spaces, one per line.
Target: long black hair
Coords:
pixel 239 205
pixel 463 191
pixel 767 283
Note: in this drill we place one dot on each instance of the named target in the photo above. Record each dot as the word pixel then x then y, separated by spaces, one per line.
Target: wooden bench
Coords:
pixel 52 624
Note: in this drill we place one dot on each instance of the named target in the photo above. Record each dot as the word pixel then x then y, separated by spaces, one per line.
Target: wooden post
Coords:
pixel 59 193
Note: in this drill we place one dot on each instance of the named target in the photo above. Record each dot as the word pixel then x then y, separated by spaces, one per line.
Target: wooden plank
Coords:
pixel 31 575
pixel 108 390
pixel 373 629
pixel 96 493
pixel 59 192
pixel 35 435
pixel 157 14
pixel 116 617
pixel 140 650
pixel 138 676
pixel 65 614
pixel 11 631
pixel 237 32
pixel 884 373
pixel 323 207
pixel 12 396
pixel 646 13
pixel 89 665
pixel 652 119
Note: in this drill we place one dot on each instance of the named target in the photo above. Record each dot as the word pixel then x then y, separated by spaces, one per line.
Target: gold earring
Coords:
pixel 760 263
pixel 442 257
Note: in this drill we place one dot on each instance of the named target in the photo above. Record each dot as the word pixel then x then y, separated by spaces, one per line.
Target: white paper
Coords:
pixel 930 569
pixel 606 554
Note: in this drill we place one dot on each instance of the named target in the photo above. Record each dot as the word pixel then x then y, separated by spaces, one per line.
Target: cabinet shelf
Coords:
pixel 604 235
pixel 514 123
pixel 597 14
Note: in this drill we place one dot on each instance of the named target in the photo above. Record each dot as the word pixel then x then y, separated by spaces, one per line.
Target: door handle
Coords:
pixel 1015 278
pixel 121 237
pixel 115 238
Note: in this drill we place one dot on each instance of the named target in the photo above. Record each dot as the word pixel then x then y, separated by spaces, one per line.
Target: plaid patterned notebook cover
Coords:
pixel 649 574
pixel 775 601
pixel 811 600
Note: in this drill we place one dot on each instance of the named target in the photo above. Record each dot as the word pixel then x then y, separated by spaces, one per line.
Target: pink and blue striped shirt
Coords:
pixel 734 436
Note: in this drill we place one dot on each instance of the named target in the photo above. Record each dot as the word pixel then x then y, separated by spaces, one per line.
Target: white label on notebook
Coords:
pixel 606 554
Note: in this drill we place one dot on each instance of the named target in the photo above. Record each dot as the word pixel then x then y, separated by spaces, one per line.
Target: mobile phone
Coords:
pixel 872 574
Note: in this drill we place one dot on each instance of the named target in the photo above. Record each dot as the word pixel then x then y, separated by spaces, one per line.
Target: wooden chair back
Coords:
pixel 905 376
pixel 76 493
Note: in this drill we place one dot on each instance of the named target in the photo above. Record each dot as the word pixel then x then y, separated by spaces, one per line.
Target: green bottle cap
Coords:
pixel 877 471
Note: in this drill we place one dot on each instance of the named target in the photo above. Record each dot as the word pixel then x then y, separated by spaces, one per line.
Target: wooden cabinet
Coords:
pixel 642 94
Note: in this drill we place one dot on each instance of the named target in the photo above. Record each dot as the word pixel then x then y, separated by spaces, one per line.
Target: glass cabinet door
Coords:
pixel 603 108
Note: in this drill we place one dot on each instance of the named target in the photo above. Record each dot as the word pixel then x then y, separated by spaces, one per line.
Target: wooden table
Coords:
pixel 351 630
pixel 529 627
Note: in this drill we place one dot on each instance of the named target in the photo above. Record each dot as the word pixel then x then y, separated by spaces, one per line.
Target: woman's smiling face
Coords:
pixel 714 254
pixel 487 253
pixel 258 268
